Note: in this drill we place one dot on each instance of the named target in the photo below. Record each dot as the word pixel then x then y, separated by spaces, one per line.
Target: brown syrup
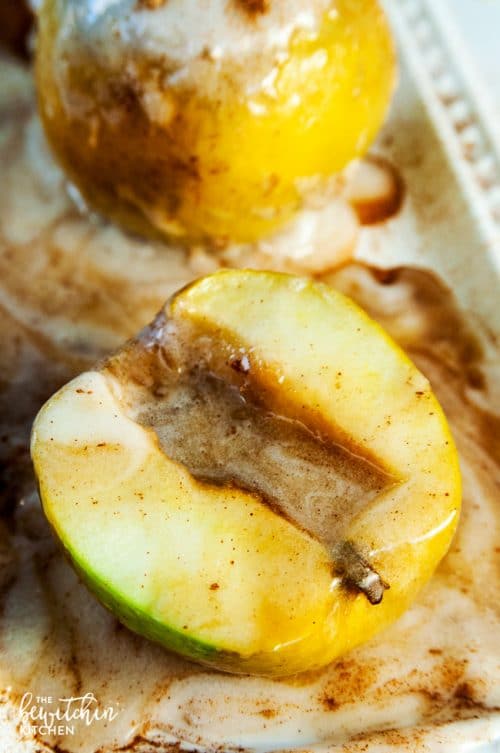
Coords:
pixel 223 436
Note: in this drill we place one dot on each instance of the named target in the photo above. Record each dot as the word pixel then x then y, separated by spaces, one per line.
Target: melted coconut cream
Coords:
pixel 72 289
pixel 189 30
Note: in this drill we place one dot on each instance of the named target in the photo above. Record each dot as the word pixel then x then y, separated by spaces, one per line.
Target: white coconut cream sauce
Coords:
pixel 72 288
pixel 183 31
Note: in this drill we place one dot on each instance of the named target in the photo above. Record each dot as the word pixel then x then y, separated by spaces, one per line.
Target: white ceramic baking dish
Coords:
pixel 439 137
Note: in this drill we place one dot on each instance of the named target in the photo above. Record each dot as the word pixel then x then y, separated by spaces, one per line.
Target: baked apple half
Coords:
pixel 210 122
pixel 259 481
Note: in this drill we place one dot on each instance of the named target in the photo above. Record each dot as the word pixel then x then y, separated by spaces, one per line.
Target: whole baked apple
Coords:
pixel 210 121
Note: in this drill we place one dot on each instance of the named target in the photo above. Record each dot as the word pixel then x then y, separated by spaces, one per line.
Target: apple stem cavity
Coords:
pixel 357 574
